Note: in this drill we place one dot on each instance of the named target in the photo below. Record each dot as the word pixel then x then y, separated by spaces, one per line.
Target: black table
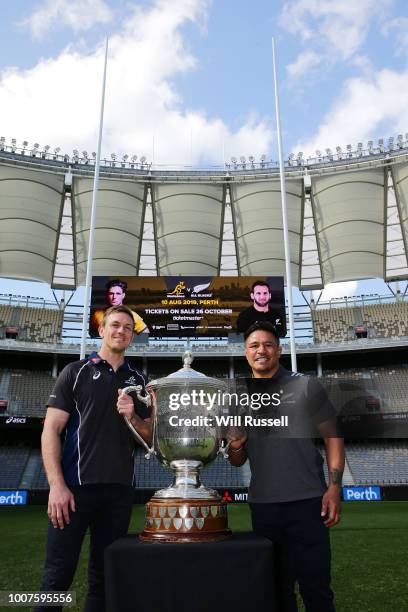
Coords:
pixel 235 574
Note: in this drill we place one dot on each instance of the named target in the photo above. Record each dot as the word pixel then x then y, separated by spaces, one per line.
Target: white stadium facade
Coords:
pixel 348 220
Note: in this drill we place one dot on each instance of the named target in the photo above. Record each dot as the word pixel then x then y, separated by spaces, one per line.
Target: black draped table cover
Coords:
pixel 235 574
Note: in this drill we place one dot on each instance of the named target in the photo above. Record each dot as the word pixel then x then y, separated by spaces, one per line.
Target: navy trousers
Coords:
pixel 105 510
pixel 302 547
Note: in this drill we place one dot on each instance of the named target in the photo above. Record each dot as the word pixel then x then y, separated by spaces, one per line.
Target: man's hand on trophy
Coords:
pixel 236 436
pixel 125 405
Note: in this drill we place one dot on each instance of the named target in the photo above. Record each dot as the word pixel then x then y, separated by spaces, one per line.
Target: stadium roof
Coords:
pixel 348 218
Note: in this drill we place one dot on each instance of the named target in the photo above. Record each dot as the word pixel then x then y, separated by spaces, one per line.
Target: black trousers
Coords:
pixel 302 547
pixel 105 510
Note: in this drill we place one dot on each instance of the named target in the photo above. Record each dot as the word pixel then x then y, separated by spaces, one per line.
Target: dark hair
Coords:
pixel 262 326
pixel 114 310
pixel 116 283
pixel 261 283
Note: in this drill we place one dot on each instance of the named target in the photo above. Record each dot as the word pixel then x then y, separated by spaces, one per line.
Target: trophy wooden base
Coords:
pixel 185 520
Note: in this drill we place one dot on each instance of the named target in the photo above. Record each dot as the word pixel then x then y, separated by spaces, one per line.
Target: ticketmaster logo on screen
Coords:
pixel 361 493
pixel 13 498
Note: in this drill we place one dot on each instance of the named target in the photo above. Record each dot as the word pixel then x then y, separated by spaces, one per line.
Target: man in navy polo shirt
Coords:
pixel 289 500
pixel 90 474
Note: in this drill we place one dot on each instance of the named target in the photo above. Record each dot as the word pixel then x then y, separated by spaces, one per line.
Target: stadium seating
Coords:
pixel 26 390
pixel 33 324
pixel 383 463
pixel 13 460
pixel 385 320
pixel 388 384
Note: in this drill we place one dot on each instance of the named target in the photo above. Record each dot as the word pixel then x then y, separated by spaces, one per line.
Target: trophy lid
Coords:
pixel 185 374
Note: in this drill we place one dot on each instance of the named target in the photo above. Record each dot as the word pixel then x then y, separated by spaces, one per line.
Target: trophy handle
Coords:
pixel 146 400
pixel 223 450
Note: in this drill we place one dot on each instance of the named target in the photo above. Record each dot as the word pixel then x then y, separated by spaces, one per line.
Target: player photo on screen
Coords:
pixel 191 306
pixel 115 295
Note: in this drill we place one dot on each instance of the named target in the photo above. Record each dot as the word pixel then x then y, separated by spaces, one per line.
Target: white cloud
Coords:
pixel 303 64
pixel 364 106
pixel 79 15
pixel 57 102
pixel 336 30
pixel 397 27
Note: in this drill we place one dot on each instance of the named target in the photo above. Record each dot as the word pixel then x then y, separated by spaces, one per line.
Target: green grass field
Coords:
pixel 370 553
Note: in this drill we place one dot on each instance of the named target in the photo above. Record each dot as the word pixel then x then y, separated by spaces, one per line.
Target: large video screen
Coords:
pixel 175 306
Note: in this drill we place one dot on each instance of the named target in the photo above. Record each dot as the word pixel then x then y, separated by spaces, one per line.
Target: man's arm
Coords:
pixel 60 497
pixel 331 503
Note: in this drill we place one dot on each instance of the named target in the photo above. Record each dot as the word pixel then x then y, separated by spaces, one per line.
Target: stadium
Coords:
pixel 348 221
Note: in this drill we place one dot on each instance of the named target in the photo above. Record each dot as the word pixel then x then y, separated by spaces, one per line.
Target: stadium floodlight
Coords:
pixel 291 159
pixel 25 144
pixel 133 158
pixel 113 156
pixel 251 160
pixel 299 158
pixel 370 145
pixel 143 159
pixel 263 157
pixel 339 152
pixel 2 143
pixel 400 141
pixel 56 151
pixel 45 151
pixel 359 149
pixel 349 150
pixel 125 157
pixel 234 160
pixel 329 153
pixel 391 143
pixel 381 144
pixel 13 145
pixel 318 153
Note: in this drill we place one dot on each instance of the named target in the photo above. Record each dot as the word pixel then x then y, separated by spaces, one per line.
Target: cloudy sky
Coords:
pixel 191 80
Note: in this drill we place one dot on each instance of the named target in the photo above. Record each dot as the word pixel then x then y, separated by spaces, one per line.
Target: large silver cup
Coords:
pixel 195 441
pixel 185 511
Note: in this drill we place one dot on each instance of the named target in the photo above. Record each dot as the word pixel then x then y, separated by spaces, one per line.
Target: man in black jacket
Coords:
pixel 289 500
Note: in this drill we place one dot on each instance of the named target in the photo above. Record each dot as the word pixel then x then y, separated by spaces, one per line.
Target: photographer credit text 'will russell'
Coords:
pixel 254 401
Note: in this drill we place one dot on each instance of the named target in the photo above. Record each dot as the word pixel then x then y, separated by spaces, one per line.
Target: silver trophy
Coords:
pixel 186 438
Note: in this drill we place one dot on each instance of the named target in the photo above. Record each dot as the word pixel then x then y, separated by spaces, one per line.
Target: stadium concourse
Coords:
pixel 348 220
